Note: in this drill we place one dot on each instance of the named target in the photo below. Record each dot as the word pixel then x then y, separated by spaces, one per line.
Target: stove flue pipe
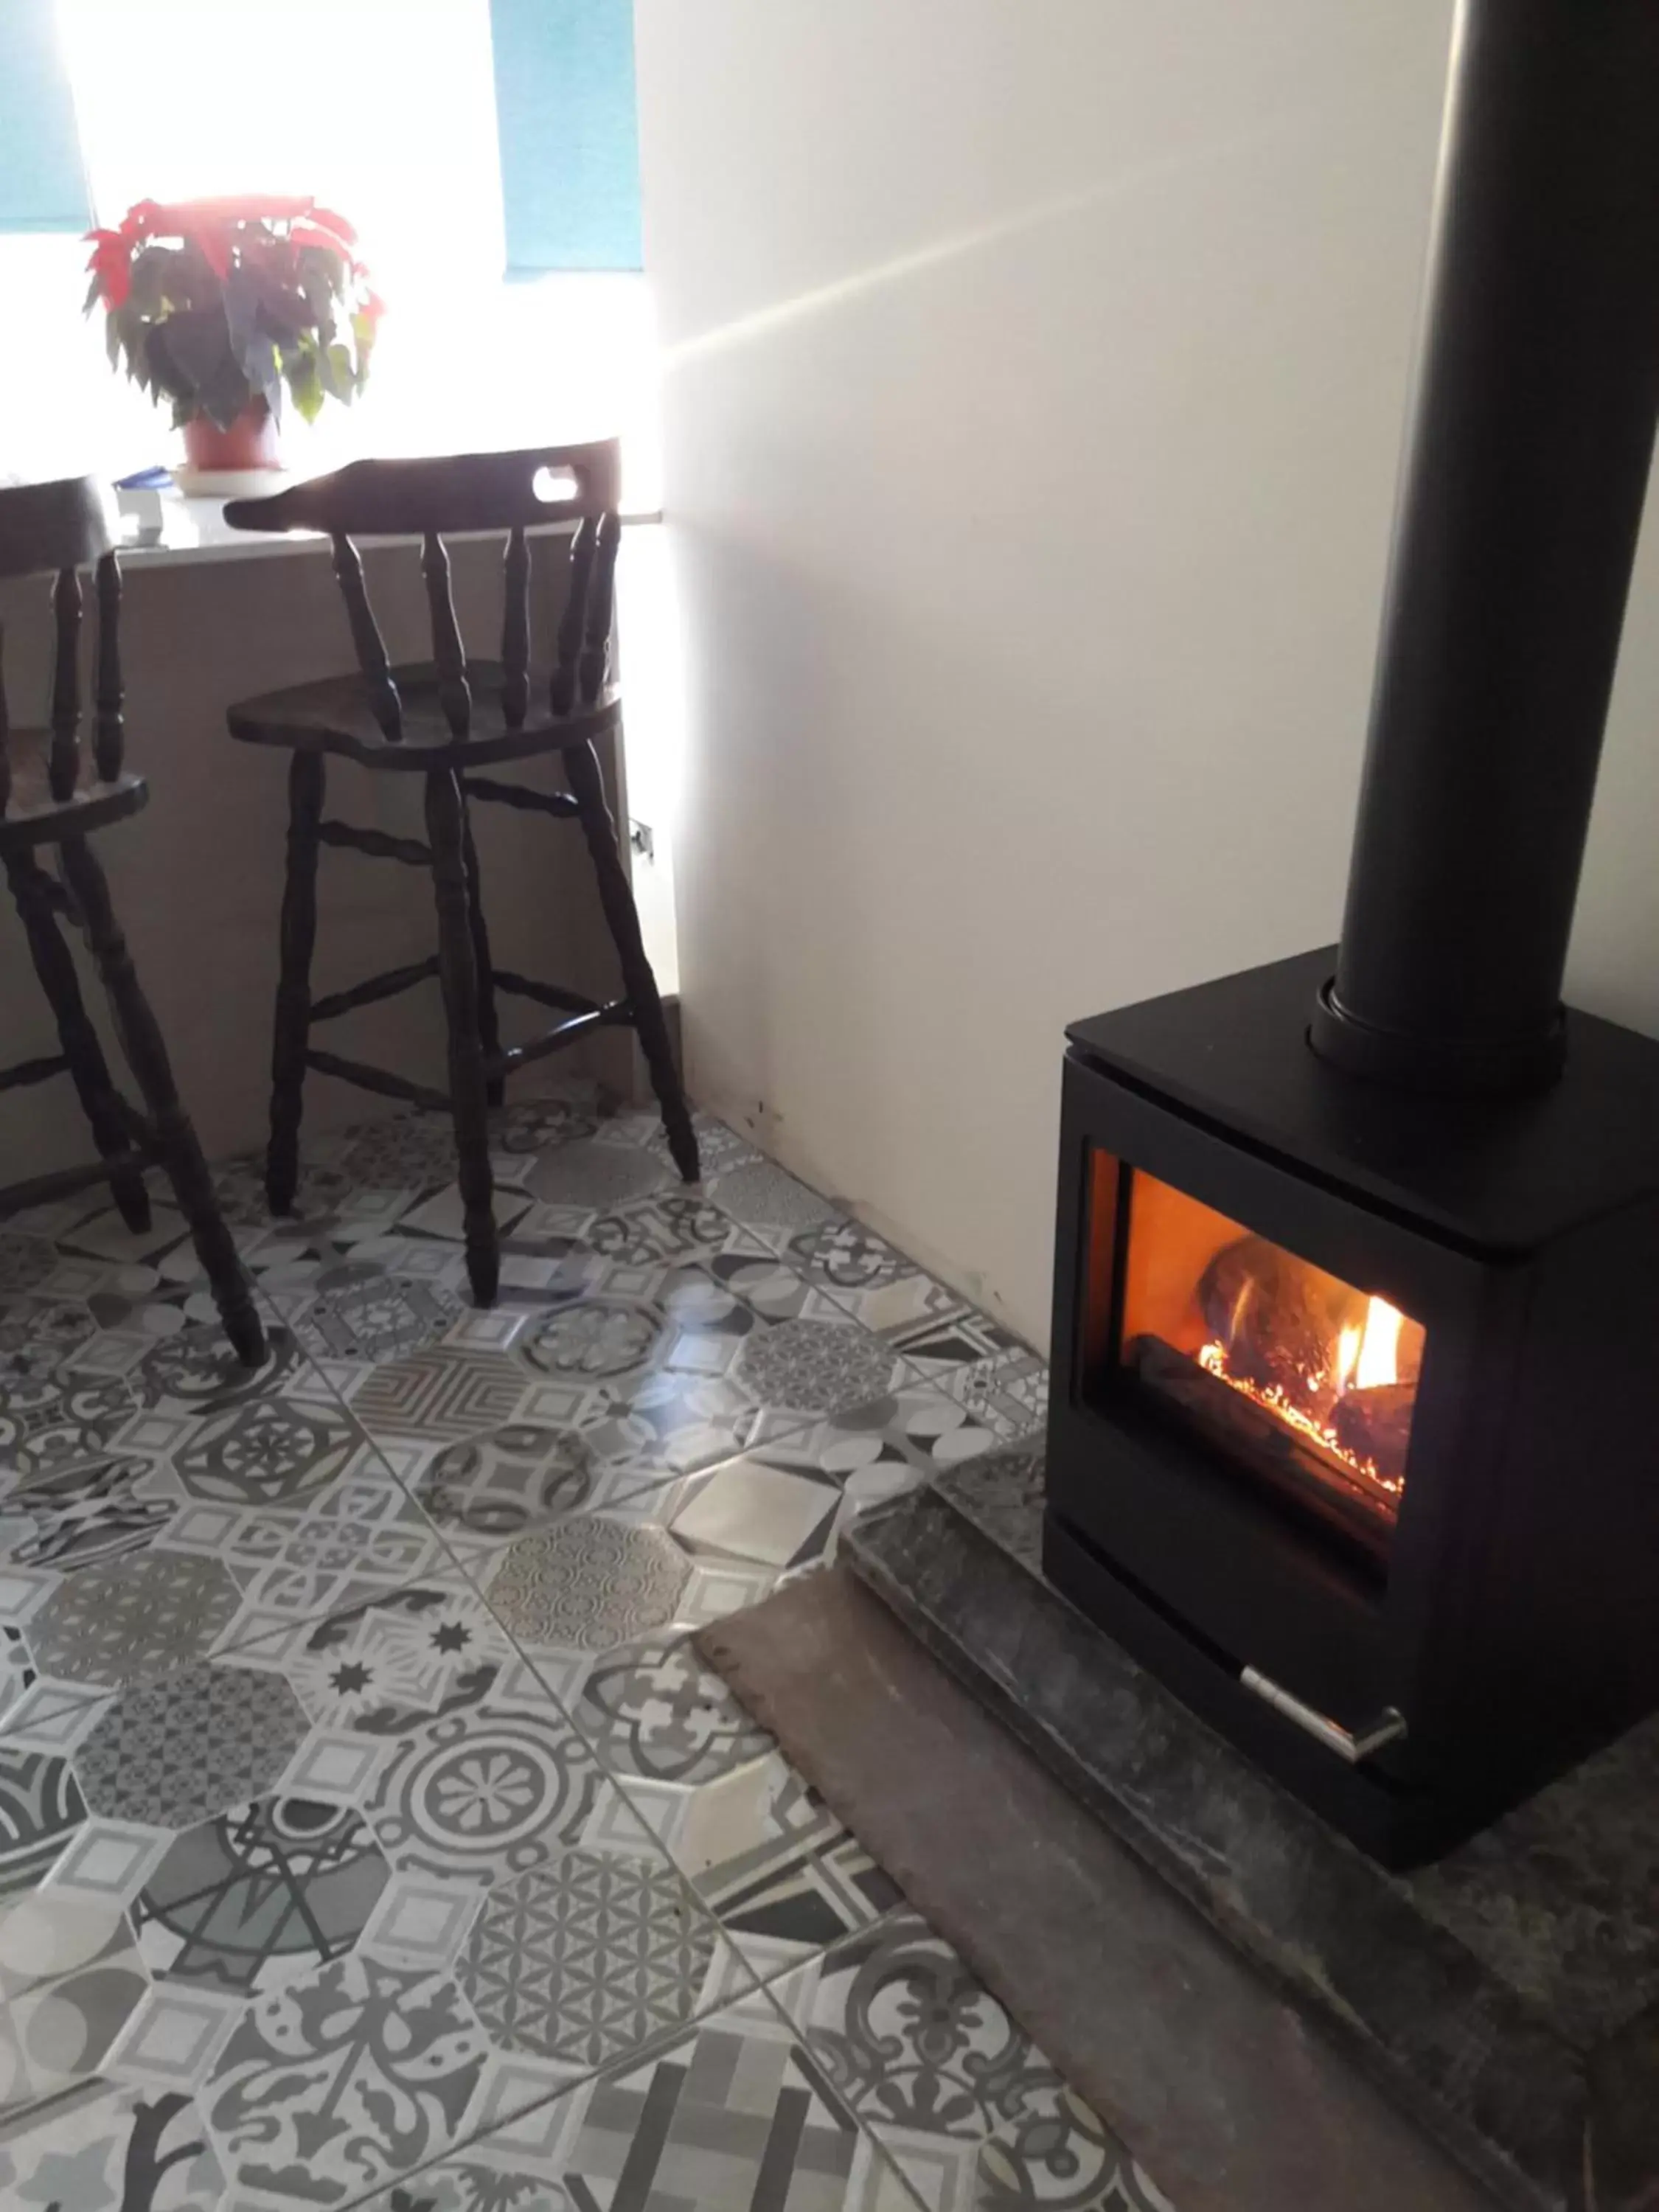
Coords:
pixel 1525 471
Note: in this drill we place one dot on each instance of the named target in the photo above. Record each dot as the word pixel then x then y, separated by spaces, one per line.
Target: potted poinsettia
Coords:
pixel 219 306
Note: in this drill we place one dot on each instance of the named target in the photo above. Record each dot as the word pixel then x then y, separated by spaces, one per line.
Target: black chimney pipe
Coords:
pixel 1526 464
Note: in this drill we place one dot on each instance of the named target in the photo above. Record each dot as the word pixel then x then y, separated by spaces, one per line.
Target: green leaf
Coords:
pixel 305 386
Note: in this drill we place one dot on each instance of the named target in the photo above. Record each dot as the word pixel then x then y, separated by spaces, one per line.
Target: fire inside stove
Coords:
pixel 1300 1377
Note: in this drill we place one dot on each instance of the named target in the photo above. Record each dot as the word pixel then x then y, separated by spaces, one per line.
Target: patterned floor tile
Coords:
pixel 51 1717
pixel 38 1334
pixel 258 1894
pixel 737 2114
pixel 566 1116
pixel 363 1309
pixel 421 1921
pixel 40 1808
pixel 680 1224
pixel 656 1714
pixel 110 2150
pixel 110 1859
pixel 343 2079
pixel 775 1512
pixel 71 1977
pixel 761 1195
pixel 270 1450
pixel 588 1174
pixel 684 1371
pixel 589 1961
pixel 369 1880
pixel 184 1748
pixel 967 2107
pixel 61 1419
pixel 1009 1394
pixel 133 1620
pixel 81 1515
pixel 773 1864
pixel 878 1285
pixel 495 1789
pixel 363 1537
pixel 588 1584
pixel 382 1667
pixel 497 1486
pixel 443 1395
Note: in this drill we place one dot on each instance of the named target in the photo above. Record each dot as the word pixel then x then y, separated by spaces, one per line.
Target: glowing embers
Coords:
pixel 1296 1374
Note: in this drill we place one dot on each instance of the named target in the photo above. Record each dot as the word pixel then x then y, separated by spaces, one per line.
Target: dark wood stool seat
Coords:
pixel 447 718
pixel 52 798
pixel 336 715
pixel 36 815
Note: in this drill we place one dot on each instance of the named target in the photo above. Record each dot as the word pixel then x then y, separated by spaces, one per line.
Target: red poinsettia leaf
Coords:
pixel 337 223
pixel 236 207
pixel 308 234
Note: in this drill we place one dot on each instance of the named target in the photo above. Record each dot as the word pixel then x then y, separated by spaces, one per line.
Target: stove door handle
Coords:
pixel 1351 1745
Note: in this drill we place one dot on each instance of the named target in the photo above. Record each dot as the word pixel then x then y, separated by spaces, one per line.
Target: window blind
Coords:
pixel 568 133
pixel 43 186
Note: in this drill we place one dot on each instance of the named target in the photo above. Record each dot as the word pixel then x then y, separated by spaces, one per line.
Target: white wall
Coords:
pixel 1035 376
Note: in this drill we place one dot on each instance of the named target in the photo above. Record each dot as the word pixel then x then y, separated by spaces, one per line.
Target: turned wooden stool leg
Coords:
pixel 616 898
pixel 489 1028
pixel 176 1141
pixel 293 1026
pixel 446 830
pixel 37 905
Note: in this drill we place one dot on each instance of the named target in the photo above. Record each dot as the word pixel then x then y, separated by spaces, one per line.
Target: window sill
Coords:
pixel 194 531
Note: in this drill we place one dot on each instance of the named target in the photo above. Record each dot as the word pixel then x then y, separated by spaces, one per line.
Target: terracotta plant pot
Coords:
pixel 251 442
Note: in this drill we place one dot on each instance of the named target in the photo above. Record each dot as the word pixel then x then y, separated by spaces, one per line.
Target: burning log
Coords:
pixel 1255 1436
pixel 1279 1319
pixel 1376 1424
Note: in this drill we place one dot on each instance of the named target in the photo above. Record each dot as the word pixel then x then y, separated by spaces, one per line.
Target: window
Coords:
pixel 389 111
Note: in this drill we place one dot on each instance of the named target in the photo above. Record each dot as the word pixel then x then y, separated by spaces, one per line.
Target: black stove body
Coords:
pixel 1355 1348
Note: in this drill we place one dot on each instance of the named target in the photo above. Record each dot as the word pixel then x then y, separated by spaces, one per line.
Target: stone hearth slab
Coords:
pixel 1507 1997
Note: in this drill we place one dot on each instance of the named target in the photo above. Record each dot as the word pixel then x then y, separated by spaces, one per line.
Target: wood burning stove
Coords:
pixel 1352 1437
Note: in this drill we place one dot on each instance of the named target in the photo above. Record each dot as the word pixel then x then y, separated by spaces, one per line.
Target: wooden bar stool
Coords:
pixel 51 798
pixel 446 719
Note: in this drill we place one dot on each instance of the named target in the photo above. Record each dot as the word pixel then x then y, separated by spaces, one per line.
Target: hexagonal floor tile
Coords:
pixel 132 1620
pixel 590 1174
pixel 79 1515
pixel 266 1451
pixel 589 1961
pixel 260 1893
pixel 511 1479
pixel 60 1419
pixel 440 1395
pixel 183 1749
pixel 588 1584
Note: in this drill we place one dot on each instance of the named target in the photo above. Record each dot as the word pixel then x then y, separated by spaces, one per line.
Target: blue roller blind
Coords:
pixel 43 186
pixel 569 133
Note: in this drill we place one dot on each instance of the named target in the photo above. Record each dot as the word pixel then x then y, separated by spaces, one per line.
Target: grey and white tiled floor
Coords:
pixel 370 1832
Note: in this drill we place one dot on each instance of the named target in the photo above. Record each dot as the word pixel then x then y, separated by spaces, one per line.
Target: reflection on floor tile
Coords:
pixel 71 1977
pixel 779 1871
pixel 968 2108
